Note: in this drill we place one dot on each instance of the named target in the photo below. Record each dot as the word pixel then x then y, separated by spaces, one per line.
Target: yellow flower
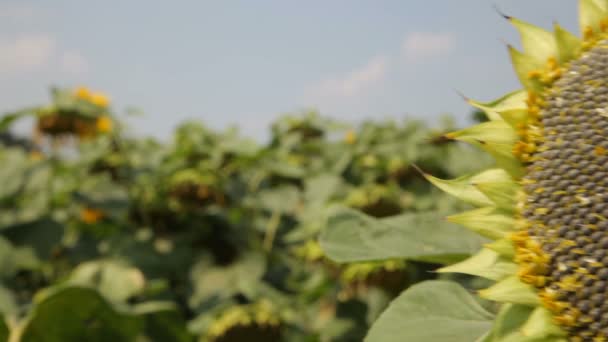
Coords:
pixel 262 314
pixel 91 215
pixel 82 93
pixel 36 155
pixel 310 251
pixel 104 124
pixel 350 137
pixel 100 100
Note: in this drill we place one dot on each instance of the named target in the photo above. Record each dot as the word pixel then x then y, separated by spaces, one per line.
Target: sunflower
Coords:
pixel 91 215
pixel 545 204
pixel 82 93
pixel 104 124
pixel 258 321
pixel 100 100
pixel 350 137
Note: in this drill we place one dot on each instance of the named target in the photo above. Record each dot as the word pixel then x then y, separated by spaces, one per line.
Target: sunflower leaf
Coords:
pixel 90 317
pixel 432 311
pixel 353 236
pixel 4 331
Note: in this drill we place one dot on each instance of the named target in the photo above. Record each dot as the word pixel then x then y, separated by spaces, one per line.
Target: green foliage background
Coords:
pixel 214 237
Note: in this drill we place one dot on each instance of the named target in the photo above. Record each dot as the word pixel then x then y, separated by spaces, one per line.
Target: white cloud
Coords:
pixel 36 51
pixel 74 62
pixel 419 45
pixel 26 52
pixel 353 82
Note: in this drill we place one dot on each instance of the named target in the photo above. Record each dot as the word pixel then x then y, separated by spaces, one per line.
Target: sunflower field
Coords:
pixel 384 231
pixel 211 236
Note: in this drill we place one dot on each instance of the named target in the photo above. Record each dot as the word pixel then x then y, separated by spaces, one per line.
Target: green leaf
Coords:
pixel 8 302
pixel 282 199
pixel 213 281
pixel 487 337
pixel 163 322
pixel 488 222
pixel 16 172
pixel 511 290
pixel 320 188
pixel 43 236
pixel 519 337
pixel 117 281
pixel 8 119
pixel 487 264
pixel 75 314
pixel 352 236
pixel 4 331
pixel 432 311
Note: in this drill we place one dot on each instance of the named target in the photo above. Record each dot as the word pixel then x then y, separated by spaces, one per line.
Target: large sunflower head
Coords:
pixel 546 202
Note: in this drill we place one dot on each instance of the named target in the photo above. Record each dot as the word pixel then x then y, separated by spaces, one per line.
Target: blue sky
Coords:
pixel 248 62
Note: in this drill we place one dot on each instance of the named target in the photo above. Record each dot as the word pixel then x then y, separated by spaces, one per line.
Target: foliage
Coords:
pixel 212 236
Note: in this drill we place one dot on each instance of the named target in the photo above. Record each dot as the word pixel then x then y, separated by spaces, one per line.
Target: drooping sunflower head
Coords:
pixel 258 321
pixel 91 215
pixel 77 112
pixel 96 98
pixel 546 203
pixel 193 187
